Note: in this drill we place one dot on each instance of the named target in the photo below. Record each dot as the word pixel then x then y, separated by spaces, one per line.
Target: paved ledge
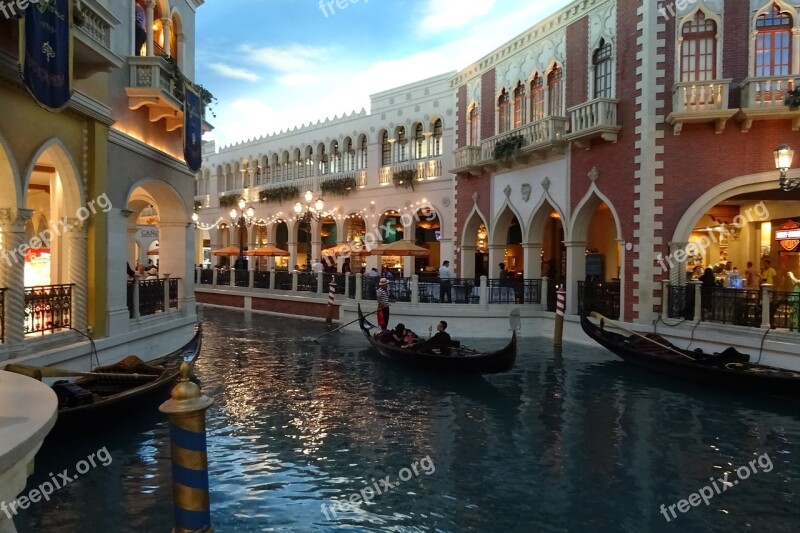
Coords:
pixel 27 414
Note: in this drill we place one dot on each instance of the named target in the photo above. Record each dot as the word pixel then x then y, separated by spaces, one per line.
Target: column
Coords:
pixel 532 257
pixel 181 40
pixel 292 255
pixel 497 255
pixel 150 6
pixel 78 266
pixel 665 290
pixel 12 272
pixel 795 46
pixel 117 315
pixel 166 22
pixel 467 265
pixel 576 271
pixel 177 252
pixel 766 298
pixel 698 300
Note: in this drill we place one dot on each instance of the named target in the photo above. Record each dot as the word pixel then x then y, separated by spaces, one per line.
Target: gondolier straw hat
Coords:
pixel 383 281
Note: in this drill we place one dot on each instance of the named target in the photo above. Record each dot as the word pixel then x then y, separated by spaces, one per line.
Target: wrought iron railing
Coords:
pixel 602 297
pixel 261 279
pixel 339 278
pixel 307 282
pixel 48 308
pixel 784 310
pixel 503 291
pixel 242 278
pixel 2 316
pixel 681 302
pixel 224 277
pixel 531 291
pixel 731 306
pixel 173 292
pixel 206 276
pixel 283 280
pixel 151 296
pixel 464 290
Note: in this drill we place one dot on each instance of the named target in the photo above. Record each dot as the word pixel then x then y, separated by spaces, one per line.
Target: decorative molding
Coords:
pixel 593 174
pixel 507 191
pixel 475 197
pixel 546 183
pixel 124 140
pixel 445 201
pixel 525 190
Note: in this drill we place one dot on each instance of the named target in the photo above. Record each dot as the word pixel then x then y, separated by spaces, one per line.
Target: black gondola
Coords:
pixel 457 360
pixel 729 368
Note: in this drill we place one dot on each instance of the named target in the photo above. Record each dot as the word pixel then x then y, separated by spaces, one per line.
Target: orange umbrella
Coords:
pixel 268 250
pixel 228 250
pixel 401 248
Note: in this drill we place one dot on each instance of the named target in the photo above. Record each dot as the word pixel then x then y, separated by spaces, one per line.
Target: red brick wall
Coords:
pixel 227 300
pixel 462 118
pixel 736 48
pixel 488 104
pixel 465 187
pixel 577 61
pixel 260 303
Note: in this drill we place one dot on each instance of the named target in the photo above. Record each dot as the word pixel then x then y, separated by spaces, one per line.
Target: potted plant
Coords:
pixel 792 98
pixel 507 149
pixel 278 194
pixel 405 178
pixel 226 201
pixel 338 186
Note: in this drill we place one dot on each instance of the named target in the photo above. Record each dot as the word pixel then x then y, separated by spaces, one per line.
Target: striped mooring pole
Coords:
pixel 187 432
pixel 331 298
pixel 561 305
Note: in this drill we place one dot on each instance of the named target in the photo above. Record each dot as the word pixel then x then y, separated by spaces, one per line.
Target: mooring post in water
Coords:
pixel 331 298
pixel 187 432
pixel 561 298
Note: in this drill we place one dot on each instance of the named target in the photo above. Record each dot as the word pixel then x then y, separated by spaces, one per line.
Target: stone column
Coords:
pixel 496 256
pixel 766 300
pixel 78 267
pixel 150 6
pixel 698 300
pixel 576 271
pixel 467 265
pixel 292 255
pixel 532 257
pixel 177 254
pixel 12 272
pixel 167 23
pixel 665 290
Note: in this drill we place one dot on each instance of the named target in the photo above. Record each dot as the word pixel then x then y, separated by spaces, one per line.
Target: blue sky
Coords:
pixel 276 64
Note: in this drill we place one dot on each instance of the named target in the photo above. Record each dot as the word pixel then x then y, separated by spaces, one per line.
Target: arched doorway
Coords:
pixel 475 247
pixel 505 246
pixel 428 233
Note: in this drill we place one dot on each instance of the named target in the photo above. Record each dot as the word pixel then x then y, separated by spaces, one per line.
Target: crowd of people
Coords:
pixel 725 274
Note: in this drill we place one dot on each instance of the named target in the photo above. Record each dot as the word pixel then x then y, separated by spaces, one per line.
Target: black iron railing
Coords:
pixel 731 306
pixel 48 308
pixel 306 282
pixel 206 276
pixel 224 277
pixel 261 279
pixel 151 296
pixel 242 278
pixel 2 316
pixel 340 278
pixel 173 293
pixel 784 310
pixel 283 280
pixel 504 291
pixel 681 302
pixel 602 297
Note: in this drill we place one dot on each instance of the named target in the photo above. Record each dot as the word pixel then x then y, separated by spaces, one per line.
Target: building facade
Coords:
pixel 78 183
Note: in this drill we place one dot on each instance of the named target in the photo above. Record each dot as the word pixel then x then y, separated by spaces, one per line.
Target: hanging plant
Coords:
pixel 278 194
pixel 230 200
pixel 207 99
pixel 405 178
pixel 792 98
pixel 338 186
pixel 197 204
pixel 508 148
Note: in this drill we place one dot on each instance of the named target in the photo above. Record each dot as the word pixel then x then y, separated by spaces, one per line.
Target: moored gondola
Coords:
pixel 728 368
pixel 454 359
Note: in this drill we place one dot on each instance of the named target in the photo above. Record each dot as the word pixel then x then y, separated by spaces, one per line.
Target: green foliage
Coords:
pixel 207 98
pixel 231 200
pixel 508 148
pixel 793 98
pixel 405 178
pixel 197 204
pixel 278 194
pixel 338 186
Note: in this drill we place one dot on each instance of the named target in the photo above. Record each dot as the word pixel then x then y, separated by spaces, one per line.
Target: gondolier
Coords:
pixel 382 296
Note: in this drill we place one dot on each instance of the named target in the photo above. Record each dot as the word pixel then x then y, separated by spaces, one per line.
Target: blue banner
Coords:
pixel 46 52
pixel 192 129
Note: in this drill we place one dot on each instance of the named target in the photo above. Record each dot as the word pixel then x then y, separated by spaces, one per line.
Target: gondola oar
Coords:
pixel 54 372
pixel 595 314
pixel 344 326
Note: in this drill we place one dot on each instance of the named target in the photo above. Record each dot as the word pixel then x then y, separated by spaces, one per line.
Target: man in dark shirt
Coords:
pixel 442 338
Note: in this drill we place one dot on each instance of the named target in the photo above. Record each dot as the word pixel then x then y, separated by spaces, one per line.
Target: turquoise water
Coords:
pixel 577 442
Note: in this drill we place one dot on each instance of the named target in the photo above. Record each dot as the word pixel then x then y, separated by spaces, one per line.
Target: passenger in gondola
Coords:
pixel 441 338
pixel 394 336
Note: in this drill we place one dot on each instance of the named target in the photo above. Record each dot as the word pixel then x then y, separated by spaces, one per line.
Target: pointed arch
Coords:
pixel 579 224
pixel 501 223
pixel 9 178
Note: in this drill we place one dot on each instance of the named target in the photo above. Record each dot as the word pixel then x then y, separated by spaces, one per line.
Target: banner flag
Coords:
pixel 192 128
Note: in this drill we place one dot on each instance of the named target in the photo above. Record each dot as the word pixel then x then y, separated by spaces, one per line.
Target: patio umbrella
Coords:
pixel 267 250
pixel 401 248
pixel 228 250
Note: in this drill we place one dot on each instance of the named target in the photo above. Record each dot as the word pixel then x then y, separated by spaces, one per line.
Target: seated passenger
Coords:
pixel 442 338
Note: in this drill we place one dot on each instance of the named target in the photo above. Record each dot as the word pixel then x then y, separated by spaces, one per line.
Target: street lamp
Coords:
pixel 241 218
pixel 783 161
pixel 306 214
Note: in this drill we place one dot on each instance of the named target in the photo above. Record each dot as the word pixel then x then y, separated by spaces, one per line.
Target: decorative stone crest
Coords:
pixel 546 183
pixel 445 201
pixel 475 197
pixel 526 192
pixel 593 174
pixel 507 191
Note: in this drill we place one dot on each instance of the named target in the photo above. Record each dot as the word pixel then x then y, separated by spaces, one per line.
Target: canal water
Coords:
pixel 577 442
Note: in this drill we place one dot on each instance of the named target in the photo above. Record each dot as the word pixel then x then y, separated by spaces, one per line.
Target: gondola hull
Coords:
pixel 479 363
pixel 112 399
pixel 695 365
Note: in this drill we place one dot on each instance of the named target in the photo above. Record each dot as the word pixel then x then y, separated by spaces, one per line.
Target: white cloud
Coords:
pixel 290 58
pixel 234 73
pixel 448 14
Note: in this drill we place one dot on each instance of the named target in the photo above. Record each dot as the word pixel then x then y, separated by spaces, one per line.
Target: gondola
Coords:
pixel 132 385
pixel 728 368
pixel 455 359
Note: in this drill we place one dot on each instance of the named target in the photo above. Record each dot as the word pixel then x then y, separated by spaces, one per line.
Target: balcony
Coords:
pixel 467 158
pixel 593 119
pixel 762 99
pixel 152 86
pixel 697 102
pixel 92 43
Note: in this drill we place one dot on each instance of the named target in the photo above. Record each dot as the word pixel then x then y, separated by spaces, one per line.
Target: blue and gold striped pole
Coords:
pixel 187 416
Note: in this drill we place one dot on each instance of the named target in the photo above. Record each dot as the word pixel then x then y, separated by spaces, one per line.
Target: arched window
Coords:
pixel 362 154
pixel 402 143
pixel 386 150
pixel 336 163
pixel 419 142
pixel 503 113
pixel 323 160
pixel 474 121
pixel 437 138
pixel 556 102
pixel 698 49
pixel 601 60
pixel 519 105
pixel 537 98
pixel 773 43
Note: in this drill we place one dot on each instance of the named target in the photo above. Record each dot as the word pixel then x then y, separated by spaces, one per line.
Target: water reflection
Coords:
pixel 567 441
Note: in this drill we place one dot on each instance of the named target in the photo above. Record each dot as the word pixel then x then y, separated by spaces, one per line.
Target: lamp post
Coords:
pixel 305 214
pixel 783 161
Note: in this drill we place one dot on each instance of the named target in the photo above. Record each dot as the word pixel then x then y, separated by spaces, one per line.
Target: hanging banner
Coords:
pixel 45 52
pixel 192 128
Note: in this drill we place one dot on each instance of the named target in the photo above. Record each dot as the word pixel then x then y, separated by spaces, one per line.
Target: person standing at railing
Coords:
pixel 751 277
pixel 445 283
pixel 709 282
pixel 767 272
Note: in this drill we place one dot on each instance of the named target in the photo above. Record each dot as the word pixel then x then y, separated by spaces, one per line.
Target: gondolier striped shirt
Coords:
pixel 383 298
